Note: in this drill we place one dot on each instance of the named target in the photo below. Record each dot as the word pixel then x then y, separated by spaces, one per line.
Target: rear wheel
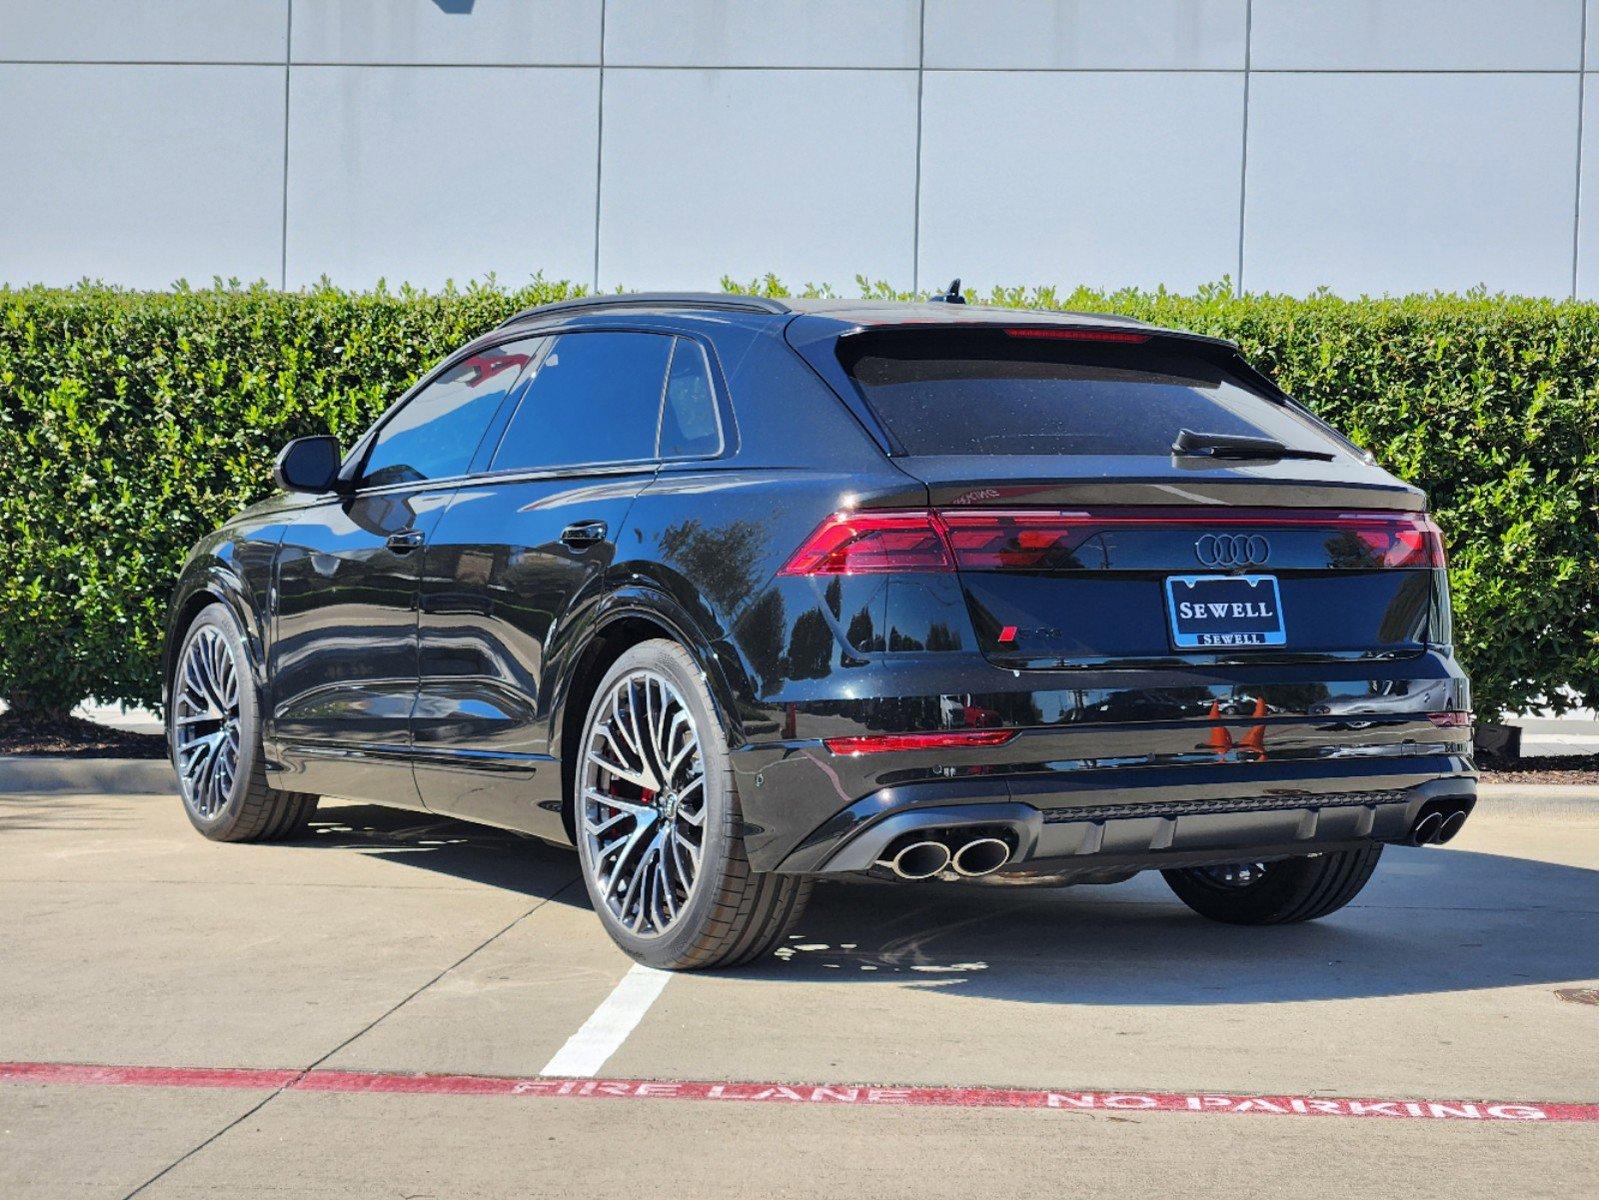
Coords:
pixel 658 824
pixel 214 735
pixel 1276 893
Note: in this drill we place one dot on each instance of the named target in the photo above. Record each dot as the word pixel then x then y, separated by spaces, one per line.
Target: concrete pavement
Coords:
pixel 393 942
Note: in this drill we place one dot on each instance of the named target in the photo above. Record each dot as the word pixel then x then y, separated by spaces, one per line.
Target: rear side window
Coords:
pixel 991 392
pixel 596 398
pixel 436 433
pixel 689 427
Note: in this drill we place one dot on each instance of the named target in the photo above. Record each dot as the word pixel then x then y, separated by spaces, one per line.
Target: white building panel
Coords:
pixel 141 175
pixel 248 31
pixel 554 32
pixel 1086 34
pixel 1400 183
pixel 762 33
pixel 1416 35
pixel 1103 178
pixel 425 174
pixel 810 174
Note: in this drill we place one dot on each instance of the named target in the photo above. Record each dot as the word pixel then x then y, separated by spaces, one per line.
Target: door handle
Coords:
pixel 405 541
pixel 583 533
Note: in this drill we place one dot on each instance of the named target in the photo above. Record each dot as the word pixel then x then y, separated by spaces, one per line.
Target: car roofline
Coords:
pixel 719 301
pixel 852 316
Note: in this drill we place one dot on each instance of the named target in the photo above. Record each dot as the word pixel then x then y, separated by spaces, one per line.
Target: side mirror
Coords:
pixel 308 464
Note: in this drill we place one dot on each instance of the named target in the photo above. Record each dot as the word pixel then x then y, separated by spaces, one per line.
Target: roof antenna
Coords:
pixel 951 294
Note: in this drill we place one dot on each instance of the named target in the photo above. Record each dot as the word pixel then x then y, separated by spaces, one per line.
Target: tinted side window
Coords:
pixel 688 417
pixel 595 399
pixel 435 435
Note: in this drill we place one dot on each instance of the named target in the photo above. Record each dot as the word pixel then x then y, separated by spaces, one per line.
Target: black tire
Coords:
pixel 731 914
pixel 1281 893
pixel 247 809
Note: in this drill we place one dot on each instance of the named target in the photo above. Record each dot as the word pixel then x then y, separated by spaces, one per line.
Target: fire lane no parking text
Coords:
pixel 846 1095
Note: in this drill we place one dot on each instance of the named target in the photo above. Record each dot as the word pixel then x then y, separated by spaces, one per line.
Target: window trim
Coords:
pixel 716 405
pixel 488 471
pixel 726 420
pixel 726 417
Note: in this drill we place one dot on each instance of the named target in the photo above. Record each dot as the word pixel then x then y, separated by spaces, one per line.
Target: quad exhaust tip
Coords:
pixel 1426 830
pixel 1439 822
pixel 919 860
pixel 981 856
pixel 1451 826
pixel 929 855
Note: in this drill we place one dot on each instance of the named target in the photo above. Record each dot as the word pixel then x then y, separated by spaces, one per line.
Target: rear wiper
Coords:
pixel 1231 445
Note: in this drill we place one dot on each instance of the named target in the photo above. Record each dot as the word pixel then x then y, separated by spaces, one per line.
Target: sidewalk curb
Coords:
pixel 43 775
pixel 1540 799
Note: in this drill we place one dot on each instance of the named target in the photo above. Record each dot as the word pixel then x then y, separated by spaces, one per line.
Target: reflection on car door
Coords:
pixel 518 555
pixel 344 669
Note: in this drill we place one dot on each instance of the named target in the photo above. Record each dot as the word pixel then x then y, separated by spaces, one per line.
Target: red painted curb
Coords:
pixel 830 1095
pixel 185 1077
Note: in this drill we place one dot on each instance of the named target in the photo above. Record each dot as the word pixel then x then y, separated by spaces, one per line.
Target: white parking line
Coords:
pixel 602 1035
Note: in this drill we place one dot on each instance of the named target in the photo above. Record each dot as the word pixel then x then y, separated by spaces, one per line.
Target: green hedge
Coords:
pixel 131 422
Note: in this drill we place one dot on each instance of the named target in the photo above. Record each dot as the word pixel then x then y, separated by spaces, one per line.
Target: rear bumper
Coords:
pixel 1112 768
pixel 1111 832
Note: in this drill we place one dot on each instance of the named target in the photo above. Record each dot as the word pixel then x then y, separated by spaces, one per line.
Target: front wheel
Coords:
pixel 214 735
pixel 1276 893
pixel 658 825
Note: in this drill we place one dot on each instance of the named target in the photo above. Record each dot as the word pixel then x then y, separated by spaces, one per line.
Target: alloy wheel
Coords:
pixel 643 805
pixel 205 722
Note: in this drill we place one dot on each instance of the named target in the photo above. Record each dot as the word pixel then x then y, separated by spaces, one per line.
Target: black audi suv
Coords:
pixel 737 594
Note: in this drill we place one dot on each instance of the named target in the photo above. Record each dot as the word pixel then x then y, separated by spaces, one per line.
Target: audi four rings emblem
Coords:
pixel 1232 550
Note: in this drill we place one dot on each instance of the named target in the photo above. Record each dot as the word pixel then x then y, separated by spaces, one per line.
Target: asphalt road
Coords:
pixel 409 1007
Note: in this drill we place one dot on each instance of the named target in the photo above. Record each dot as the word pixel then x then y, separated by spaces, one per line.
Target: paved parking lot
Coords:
pixel 1098 1040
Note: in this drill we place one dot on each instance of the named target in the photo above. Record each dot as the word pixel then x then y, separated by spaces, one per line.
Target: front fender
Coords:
pixel 236 572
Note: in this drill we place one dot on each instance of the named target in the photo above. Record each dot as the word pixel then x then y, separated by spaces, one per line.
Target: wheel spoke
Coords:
pixel 664 889
pixel 649 728
pixel 632 724
pixel 631 807
pixel 688 748
pixel 600 828
pixel 661 733
pixel 621 772
pixel 687 855
pixel 616 731
pixel 619 867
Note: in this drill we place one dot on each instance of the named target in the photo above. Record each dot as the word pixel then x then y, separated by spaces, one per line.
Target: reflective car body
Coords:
pixel 433 643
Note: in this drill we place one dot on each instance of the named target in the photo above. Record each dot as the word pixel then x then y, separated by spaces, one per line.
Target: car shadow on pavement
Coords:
pixel 494 857
pixel 1430 921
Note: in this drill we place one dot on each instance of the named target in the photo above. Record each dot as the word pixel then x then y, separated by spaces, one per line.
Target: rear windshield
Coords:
pixel 990 392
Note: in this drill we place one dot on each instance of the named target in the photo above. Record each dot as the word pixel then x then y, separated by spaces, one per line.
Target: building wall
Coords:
pixel 1361 145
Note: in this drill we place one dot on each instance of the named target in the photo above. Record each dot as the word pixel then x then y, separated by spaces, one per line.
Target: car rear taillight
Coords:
pixel 1413 540
pixel 884 743
pixel 1450 720
pixel 873 543
pixel 1016 541
pixel 899 541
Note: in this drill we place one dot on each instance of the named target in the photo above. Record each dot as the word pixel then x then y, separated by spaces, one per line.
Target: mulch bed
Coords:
pixel 74 737
pixel 1552 768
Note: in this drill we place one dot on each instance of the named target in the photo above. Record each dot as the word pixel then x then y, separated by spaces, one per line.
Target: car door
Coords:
pixel 520 552
pixel 344 656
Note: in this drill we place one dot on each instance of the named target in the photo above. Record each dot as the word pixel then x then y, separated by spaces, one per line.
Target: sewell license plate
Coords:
pixel 1209 611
